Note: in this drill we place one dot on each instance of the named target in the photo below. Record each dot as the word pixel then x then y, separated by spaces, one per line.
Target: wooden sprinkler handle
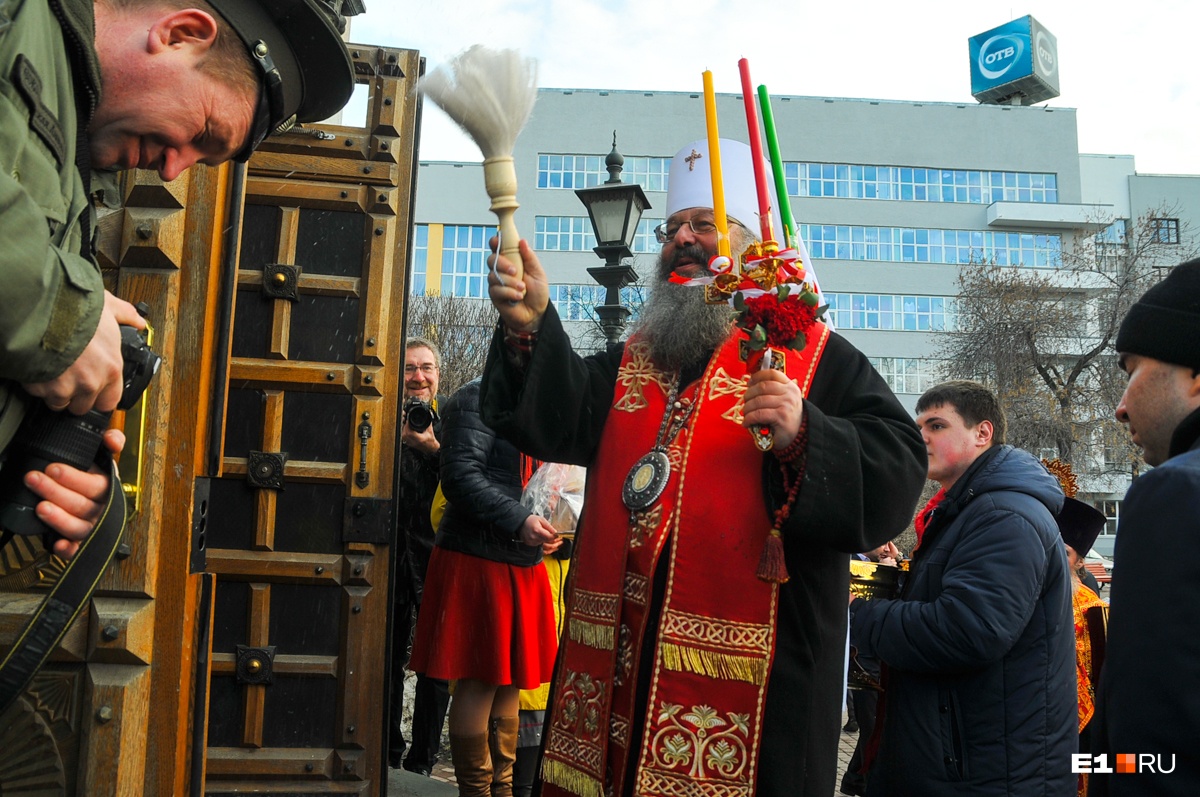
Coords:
pixel 500 180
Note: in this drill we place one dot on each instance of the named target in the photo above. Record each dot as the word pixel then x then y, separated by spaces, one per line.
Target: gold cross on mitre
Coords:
pixel 691 159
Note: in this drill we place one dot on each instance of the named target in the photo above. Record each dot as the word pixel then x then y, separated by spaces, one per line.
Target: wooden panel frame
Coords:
pixel 370 172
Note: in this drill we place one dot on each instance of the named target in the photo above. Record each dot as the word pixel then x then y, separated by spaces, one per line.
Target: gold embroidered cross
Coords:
pixel 691 159
pixel 644 525
pixel 635 375
pixel 722 384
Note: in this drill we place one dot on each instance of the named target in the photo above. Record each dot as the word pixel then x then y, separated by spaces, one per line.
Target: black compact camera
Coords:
pixel 419 414
pixel 46 436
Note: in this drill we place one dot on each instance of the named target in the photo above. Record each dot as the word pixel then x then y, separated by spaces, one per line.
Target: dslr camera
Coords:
pixel 47 436
pixel 419 414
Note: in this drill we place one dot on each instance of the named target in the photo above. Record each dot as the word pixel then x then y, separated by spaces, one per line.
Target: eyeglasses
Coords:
pixel 666 232
pixel 429 369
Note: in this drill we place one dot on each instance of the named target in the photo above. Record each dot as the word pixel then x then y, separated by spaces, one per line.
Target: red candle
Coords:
pixel 756 153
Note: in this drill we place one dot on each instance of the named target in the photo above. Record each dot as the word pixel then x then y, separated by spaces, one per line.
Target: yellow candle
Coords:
pixel 714 167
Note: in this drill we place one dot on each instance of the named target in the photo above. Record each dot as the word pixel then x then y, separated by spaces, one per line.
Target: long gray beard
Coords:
pixel 680 327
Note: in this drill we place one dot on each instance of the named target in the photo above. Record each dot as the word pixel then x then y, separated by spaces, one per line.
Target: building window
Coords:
pixel 906 374
pixel 1112 246
pixel 1112 513
pixel 891 312
pixel 563 234
pixel 1165 231
pixel 575 234
pixel 586 171
pixel 578 302
pixel 844 180
pixel 911 245
pixel 650 173
pixel 420 259
pixel 912 184
pixel 644 241
pixel 464 260
pixel 570 171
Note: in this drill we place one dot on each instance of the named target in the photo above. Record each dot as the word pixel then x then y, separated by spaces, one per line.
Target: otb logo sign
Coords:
pixel 999 54
pixel 1125 763
pixel 1045 47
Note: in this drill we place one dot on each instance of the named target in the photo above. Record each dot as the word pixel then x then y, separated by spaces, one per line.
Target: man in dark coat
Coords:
pixel 979 648
pixel 1146 705
pixel 862 474
pixel 420 449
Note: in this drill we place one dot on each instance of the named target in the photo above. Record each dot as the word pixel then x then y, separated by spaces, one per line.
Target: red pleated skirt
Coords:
pixel 485 620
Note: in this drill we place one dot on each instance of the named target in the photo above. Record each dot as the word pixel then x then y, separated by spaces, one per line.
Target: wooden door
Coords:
pixel 300 514
pixel 300 564
pixel 110 713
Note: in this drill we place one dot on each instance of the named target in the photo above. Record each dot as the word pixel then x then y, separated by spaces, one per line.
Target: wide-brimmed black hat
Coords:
pixel 302 63
pixel 1080 524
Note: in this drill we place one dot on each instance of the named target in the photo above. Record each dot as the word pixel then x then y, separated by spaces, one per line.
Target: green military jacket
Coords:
pixel 51 288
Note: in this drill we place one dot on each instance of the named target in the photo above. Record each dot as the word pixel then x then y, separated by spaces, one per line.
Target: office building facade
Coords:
pixel 891 198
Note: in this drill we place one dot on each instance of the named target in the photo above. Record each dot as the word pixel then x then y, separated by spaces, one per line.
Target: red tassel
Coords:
pixel 771 565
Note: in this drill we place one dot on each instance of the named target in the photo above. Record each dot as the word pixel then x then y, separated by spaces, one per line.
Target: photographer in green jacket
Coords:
pixel 112 85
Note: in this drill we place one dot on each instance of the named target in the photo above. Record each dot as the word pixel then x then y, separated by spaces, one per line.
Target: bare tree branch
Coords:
pixel 1042 339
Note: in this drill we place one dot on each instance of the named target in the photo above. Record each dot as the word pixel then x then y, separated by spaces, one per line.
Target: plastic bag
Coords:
pixel 555 492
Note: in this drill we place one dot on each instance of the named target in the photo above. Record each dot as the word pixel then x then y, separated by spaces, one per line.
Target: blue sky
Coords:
pixel 1129 69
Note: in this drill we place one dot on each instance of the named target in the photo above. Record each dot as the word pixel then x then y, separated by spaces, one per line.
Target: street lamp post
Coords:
pixel 615 208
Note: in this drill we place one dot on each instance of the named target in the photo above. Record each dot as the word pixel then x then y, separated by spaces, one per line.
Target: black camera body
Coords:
pixel 419 414
pixel 47 436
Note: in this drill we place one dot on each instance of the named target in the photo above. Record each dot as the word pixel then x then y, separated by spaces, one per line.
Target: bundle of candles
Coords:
pixel 776 302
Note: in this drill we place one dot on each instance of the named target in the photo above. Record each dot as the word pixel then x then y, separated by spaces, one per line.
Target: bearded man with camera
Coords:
pixel 419 451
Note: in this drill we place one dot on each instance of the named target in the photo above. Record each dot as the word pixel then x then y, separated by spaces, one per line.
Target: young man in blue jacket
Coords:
pixel 979 648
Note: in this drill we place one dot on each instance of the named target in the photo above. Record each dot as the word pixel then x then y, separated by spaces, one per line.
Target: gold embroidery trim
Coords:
pixel 721 649
pixel 600 606
pixel 665 784
pixel 570 747
pixel 636 588
pixel 571 779
pixel 700 745
pixel 714 664
pixel 643 525
pixel 593 617
pixel 618 730
pixel 593 635
pixel 697 629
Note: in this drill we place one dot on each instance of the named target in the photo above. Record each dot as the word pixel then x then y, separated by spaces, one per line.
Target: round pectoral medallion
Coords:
pixel 646 480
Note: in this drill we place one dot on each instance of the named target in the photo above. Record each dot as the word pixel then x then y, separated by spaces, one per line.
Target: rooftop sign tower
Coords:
pixel 1014 64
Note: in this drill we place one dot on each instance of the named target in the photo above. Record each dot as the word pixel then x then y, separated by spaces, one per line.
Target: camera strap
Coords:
pixel 47 626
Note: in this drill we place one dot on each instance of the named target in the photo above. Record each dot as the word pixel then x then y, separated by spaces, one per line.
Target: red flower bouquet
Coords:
pixel 776 303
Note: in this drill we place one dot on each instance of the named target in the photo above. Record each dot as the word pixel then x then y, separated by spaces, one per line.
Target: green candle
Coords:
pixel 785 204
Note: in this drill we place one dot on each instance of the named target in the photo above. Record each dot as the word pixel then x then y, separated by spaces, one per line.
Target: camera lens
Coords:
pixel 45 437
pixel 418 414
